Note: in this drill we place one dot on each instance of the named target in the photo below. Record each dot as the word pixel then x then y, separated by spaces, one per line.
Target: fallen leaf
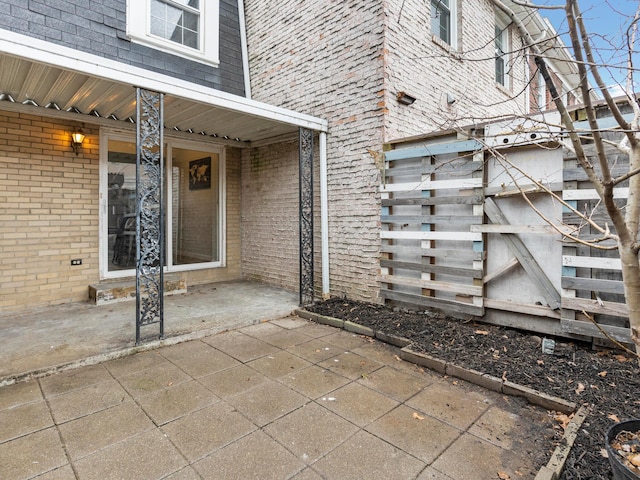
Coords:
pixel 613 417
pixel 504 376
pixel 635 460
pixel 603 374
pixel 604 453
pixel 482 332
pixel 417 417
pixel 397 357
pixel 580 388
pixel 540 362
pixel 621 358
pixel 504 476
pixel 562 419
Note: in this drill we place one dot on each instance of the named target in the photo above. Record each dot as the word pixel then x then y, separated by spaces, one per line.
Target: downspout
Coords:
pixel 324 215
pixel 245 51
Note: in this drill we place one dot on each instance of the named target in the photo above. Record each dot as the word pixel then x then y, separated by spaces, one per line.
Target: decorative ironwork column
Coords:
pixel 149 211
pixel 306 216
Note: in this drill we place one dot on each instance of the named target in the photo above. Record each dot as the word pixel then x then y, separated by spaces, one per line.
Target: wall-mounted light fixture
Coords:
pixel 77 137
pixel 405 99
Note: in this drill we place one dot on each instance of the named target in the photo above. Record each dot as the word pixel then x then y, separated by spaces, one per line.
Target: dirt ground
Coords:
pixel 607 381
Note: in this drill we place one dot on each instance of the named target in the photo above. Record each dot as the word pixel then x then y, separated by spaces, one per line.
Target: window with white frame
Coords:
pixel 443 21
pixel 188 28
pixel 501 53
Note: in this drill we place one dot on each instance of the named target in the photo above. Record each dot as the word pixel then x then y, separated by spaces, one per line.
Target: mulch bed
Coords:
pixel 605 380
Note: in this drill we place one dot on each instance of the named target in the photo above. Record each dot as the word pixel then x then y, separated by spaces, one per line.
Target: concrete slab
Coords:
pixel 230 405
pixel 48 338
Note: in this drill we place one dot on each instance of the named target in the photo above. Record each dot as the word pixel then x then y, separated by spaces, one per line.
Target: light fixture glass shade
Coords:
pixel 77 138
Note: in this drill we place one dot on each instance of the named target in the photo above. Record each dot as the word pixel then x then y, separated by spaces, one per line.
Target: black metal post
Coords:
pixel 306 216
pixel 149 211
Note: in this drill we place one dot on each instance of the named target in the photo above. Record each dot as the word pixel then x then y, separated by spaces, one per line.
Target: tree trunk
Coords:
pixel 631 278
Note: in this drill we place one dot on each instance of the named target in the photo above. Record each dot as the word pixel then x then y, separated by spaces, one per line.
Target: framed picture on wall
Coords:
pixel 200 174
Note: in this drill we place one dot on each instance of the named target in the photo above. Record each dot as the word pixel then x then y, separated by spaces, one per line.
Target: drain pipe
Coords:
pixel 324 214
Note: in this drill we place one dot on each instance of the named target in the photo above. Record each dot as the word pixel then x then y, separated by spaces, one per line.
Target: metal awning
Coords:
pixel 66 82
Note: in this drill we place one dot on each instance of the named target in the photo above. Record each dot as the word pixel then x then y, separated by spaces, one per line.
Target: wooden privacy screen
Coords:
pixel 431 196
pixel 592 278
pixel 439 221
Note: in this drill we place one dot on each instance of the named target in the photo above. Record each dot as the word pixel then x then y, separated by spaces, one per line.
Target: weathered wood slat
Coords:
pixel 593 284
pixel 591 194
pixel 471 290
pixel 537 229
pixel 507 267
pixel 475 199
pixel 579 175
pixel 460 184
pixel 535 310
pixel 429 268
pixel 414 219
pixel 588 329
pixel 593 306
pixel 430 302
pixel 404 235
pixel 511 190
pixel 524 256
pixel 464 255
pixel 455 167
pixel 436 149
pixel 591 262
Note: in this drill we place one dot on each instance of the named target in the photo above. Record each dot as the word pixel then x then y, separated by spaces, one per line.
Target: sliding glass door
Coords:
pixel 194 197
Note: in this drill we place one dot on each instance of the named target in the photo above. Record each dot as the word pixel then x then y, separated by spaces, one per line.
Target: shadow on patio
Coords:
pixel 45 339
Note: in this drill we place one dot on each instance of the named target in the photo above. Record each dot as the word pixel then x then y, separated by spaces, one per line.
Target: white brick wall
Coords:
pixel 345 61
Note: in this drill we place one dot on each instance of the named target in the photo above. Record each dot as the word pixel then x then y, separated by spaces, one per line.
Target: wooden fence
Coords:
pixel 457 236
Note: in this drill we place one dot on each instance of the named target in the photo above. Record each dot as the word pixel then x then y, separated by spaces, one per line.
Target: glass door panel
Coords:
pixel 194 198
pixel 121 205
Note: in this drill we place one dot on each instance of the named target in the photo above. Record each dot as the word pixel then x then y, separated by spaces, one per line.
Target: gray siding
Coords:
pixel 99 27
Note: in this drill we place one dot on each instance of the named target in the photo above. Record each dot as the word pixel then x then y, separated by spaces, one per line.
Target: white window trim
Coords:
pixel 506 41
pixel 127 136
pixel 453 27
pixel 541 94
pixel 139 28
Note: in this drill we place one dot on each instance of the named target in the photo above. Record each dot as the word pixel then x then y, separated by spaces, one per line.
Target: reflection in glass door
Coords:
pixel 121 205
pixel 194 200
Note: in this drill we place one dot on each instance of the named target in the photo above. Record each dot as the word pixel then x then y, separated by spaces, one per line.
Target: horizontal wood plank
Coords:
pixel 426 267
pixel 537 229
pixel 418 219
pixel 593 306
pixel 437 253
pixel 474 199
pixel 593 284
pixel 451 306
pixel 404 235
pixel 590 194
pixel 435 149
pixel 535 310
pixel 456 184
pixel 461 289
pixel 457 167
pixel 578 327
pixel 591 262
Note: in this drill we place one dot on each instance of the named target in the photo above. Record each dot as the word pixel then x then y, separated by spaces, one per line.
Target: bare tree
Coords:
pixel 599 168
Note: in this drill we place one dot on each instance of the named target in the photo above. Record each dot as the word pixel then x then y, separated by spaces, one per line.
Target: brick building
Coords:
pixel 240 79
pixel 360 65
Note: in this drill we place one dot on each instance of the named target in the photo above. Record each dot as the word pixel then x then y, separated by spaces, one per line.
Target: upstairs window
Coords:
pixel 501 56
pixel 178 21
pixel 188 28
pixel 443 21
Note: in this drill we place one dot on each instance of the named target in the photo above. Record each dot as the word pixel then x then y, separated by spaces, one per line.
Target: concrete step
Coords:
pixel 110 291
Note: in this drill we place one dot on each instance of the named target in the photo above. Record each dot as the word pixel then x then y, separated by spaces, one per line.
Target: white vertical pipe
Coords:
pixel 324 214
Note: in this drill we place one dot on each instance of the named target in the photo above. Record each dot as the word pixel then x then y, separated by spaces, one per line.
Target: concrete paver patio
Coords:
pixel 283 399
